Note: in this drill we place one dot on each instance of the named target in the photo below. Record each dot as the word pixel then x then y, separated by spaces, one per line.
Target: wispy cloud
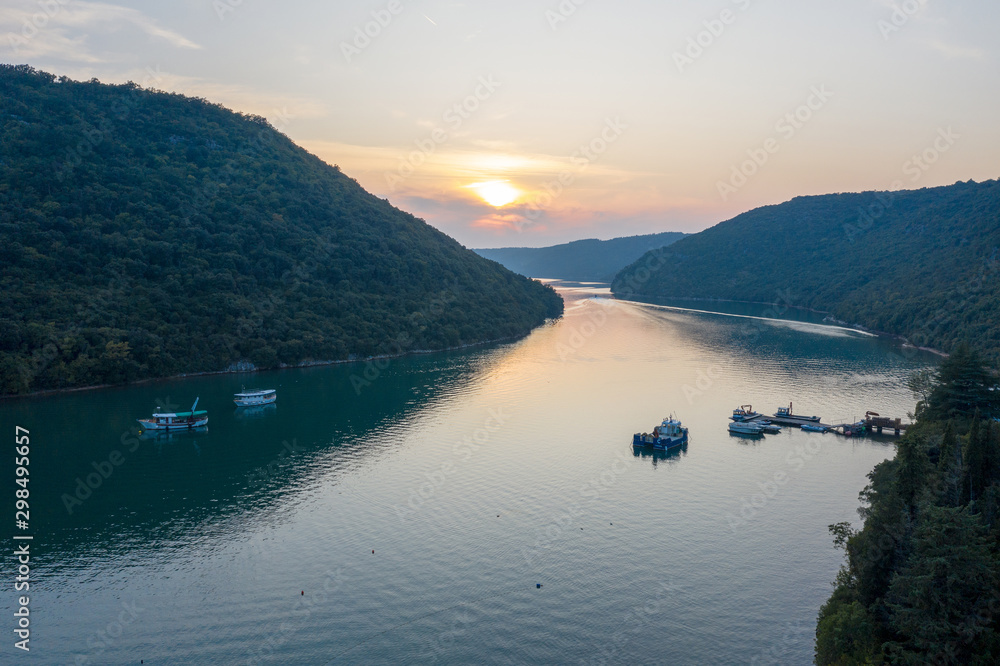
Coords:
pixel 63 30
pixel 956 51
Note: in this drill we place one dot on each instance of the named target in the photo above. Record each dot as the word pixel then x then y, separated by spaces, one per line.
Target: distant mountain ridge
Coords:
pixel 147 234
pixel 589 260
pixel 923 264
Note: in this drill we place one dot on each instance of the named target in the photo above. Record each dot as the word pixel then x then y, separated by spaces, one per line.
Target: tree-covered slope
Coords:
pixel 145 234
pixel 924 264
pixel 588 260
pixel 921 580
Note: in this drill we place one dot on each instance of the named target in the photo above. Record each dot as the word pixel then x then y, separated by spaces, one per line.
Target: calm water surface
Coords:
pixel 473 476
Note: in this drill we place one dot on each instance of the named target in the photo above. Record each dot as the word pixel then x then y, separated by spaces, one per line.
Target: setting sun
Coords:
pixel 497 193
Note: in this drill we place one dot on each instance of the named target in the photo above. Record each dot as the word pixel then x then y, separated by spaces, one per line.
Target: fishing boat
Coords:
pixel 786 413
pixel 744 412
pixel 669 434
pixel 176 420
pixel 255 397
pixel 813 428
pixel 744 428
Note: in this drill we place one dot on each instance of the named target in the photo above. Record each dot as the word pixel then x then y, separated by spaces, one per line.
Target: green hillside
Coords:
pixel 921 580
pixel 588 260
pixel 146 234
pixel 924 264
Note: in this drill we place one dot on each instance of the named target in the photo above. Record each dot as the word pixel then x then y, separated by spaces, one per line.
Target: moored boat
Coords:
pixel 176 420
pixel 744 428
pixel 744 412
pixel 669 434
pixel 770 428
pixel 786 413
pixel 255 397
pixel 813 428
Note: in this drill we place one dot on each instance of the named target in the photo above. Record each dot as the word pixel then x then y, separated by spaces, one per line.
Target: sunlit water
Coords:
pixel 473 477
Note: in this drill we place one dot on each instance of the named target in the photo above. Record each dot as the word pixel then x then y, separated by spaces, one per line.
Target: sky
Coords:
pixel 520 123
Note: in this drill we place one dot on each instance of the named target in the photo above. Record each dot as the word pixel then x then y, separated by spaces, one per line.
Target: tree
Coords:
pixel 940 602
pixel 964 385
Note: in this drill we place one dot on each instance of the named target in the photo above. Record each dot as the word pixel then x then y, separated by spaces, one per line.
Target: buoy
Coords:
pixel 303 593
pixel 537 585
pixel 373 552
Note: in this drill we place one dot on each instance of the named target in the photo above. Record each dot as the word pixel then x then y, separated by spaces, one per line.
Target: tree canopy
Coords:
pixel 923 264
pixel 146 234
pixel 921 581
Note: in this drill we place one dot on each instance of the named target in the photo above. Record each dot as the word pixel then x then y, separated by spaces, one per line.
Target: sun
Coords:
pixel 497 193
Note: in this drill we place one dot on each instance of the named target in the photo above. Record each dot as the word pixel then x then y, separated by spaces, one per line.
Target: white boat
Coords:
pixel 768 427
pixel 744 428
pixel 176 420
pixel 813 428
pixel 255 397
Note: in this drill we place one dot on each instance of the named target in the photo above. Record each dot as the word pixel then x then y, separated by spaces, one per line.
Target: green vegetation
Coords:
pixel 921 584
pixel 924 264
pixel 146 234
pixel 588 260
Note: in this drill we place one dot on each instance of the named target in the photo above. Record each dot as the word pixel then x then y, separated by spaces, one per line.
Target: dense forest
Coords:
pixel 588 260
pixel 924 264
pixel 921 584
pixel 146 234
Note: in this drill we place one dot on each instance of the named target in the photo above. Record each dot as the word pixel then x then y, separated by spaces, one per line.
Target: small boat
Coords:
pixel 669 434
pixel 786 413
pixel 744 412
pixel 771 428
pixel 743 428
pixel 255 397
pixel 813 428
pixel 176 420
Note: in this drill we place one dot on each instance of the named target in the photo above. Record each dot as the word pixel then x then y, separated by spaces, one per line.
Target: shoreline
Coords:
pixel 904 342
pixel 254 369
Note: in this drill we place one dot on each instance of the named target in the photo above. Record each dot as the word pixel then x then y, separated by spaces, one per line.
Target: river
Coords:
pixel 406 511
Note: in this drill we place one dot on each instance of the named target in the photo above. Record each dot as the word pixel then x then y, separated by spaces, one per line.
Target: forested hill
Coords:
pixel 145 234
pixel 588 260
pixel 921 580
pixel 924 264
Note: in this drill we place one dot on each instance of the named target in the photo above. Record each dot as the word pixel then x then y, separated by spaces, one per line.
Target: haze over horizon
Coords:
pixel 531 124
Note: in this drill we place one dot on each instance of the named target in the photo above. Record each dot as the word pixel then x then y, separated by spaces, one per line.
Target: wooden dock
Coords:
pixel 872 423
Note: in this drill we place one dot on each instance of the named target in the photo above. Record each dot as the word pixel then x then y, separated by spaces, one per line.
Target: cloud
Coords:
pixel 954 51
pixel 63 29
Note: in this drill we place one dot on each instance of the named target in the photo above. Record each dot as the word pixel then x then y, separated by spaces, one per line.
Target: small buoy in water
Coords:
pixel 373 552
pixel 537 585
pixel 303 593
